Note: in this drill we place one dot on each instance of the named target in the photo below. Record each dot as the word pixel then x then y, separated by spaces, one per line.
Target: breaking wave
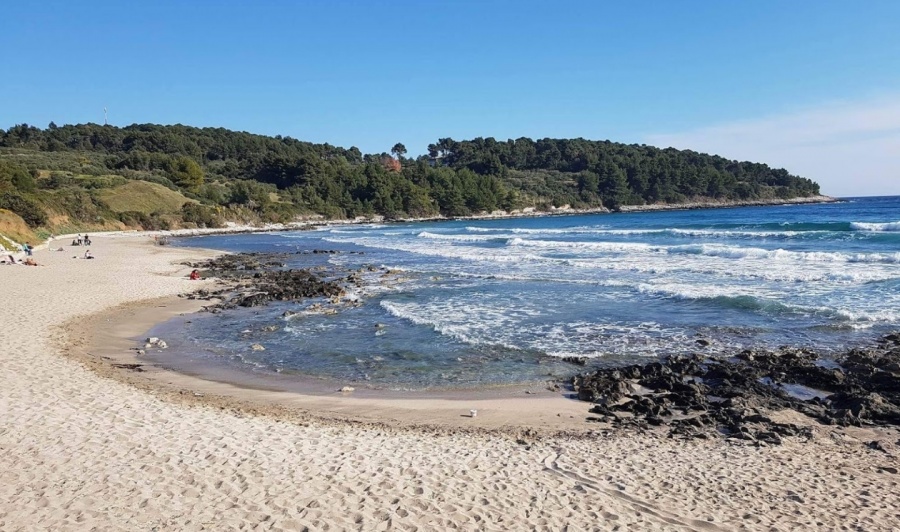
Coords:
pixel 889 227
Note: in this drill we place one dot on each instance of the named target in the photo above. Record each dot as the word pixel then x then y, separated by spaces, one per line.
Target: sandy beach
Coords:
pixel 86 445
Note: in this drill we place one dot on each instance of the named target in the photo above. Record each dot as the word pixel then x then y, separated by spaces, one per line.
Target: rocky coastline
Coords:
pixel 709 203
pixel 701 397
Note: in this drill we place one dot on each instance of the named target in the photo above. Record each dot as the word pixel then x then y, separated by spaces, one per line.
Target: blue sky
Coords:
pixel 726 77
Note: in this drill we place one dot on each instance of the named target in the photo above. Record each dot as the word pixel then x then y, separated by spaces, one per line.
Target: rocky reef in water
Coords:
pixel 696 396
pixel 256 279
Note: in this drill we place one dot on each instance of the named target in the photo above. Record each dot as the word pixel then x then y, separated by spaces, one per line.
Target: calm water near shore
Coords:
pixel 474 303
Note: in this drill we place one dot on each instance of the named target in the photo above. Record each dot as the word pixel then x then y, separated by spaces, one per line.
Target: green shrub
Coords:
pixel 158 179
pixel 24 207
pixel 76 203
pixel 133 218
pixel 103 181
pixel 15 177
pixel 57 180
pixel 156 222
pixel 202 215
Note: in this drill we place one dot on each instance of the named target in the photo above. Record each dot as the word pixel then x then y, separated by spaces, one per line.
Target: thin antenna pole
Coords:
pixel 105 117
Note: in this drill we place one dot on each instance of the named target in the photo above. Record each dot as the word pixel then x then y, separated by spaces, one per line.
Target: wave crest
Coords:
pixel 885 227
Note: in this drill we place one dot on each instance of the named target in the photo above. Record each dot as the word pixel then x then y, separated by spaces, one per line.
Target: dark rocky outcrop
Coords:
pixel 256 279
pixel 697 396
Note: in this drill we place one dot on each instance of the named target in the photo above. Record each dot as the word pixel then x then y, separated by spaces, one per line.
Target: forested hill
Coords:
pixel 220 174
pixel 581 171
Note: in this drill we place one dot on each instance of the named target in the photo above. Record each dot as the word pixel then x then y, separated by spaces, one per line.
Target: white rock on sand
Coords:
pixel 80 452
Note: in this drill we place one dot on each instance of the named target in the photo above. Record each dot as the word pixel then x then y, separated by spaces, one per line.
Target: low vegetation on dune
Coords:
pixel 90 177
pixel 143 197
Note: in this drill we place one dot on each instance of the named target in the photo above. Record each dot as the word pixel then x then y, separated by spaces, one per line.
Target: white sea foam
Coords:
pixel 706 249
pixel 485 230
pixel 610 247
pixel 741 252
pixel 723 233
pixel 456 238
pixel 695 291
pixel 455 320
pixel 876 227
pixel 467 253
pixel 707 233
pixel 768 300
pixel 713 250
pixel 863 316
pixel 671 231
pixel 769 279
pixel 560 231
pixel 489 324
pixel 820 270
pixel 597 339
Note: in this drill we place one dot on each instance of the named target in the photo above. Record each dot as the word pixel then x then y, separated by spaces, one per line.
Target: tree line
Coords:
pixel 620 174
pixel 280 178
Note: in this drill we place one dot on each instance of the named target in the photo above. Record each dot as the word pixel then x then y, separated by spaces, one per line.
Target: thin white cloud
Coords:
pixel 849 148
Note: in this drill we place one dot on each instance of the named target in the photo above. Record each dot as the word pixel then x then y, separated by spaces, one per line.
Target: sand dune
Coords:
pixel 79 451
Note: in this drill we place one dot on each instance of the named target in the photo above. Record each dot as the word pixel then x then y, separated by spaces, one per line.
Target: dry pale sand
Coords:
pixel 80 450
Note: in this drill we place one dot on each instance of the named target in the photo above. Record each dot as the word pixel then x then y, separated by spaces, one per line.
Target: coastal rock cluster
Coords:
pixel 696 396
pixel 256 279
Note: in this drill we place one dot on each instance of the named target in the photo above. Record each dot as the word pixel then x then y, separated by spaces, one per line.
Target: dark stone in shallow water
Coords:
pixel 257 279
pixel 696 396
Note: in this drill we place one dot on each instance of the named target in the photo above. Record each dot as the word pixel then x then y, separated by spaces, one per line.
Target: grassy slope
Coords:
pixel 143 196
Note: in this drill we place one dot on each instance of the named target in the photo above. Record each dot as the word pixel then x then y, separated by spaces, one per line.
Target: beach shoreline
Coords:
pixel 110 341
pixel 312 223
pixel 81 451
pixel 107 342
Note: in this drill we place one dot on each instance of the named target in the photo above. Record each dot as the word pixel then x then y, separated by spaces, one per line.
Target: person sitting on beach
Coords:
pixel 76 242
pixel 195 275
pixel 87 240
pixel 87 254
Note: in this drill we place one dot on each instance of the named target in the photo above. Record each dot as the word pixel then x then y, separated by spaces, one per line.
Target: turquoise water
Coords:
pixel 470 303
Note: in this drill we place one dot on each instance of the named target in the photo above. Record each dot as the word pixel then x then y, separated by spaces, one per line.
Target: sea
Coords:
pixel 479 303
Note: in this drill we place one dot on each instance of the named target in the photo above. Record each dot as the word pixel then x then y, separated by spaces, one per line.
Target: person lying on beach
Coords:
pixel 30 262
pixel 87 254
